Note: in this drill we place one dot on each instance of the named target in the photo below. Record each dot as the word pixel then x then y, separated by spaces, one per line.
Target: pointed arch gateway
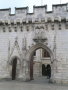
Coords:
pixel 16 63
pixel 31 52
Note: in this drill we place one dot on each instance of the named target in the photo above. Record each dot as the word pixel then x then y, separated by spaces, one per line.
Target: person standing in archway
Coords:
pixel 48 71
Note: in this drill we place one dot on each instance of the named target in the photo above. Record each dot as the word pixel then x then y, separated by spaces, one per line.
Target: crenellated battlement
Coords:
pixel 23 10
pixel 40 14
pixel 6 10
pixel 61 7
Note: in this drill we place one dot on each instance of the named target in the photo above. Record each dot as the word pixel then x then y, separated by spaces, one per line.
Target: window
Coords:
pixel 46 27
pixel 3 29
pixel 34 53
pixel 45 53
pixel 9 29
pixel 66 25
pixel 15 29
pixel 21 29
pixel 59 26
pixel 52 26
pixel 27 28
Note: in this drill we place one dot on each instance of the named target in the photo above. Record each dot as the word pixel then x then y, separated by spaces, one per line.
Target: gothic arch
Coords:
pixel 12 58
pixel 31 52
pixel 18 66
pixel 37 46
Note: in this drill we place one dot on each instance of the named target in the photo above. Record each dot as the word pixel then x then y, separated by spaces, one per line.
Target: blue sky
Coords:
pixel 23 3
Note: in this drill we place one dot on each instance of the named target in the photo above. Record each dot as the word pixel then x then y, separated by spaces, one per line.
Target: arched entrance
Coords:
pixel 31 52
pixel 48 71
pixel 15 64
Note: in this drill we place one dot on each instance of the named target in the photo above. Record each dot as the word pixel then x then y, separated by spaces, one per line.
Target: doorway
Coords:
pixel 44 71
pixel 48 71
pixel 38 61
pixel 14 65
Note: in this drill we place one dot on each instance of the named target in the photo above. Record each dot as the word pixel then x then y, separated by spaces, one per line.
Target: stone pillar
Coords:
pixel 53 71
pixel 27 70
pixel 24 70
pixel 26 73
pixel 20 76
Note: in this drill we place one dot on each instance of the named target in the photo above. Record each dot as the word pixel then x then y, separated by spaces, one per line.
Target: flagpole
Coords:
pixel 41 2
pixel 60 1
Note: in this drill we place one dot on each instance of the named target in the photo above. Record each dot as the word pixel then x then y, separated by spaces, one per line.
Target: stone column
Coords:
pixel 27 70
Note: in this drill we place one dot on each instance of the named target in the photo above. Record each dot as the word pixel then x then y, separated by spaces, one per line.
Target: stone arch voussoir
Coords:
pixel 12 58
pixel 37 46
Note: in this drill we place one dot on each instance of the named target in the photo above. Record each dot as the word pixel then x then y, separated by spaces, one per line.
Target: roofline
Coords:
pixel 5 9
pixel 17 8
pixel 59 4
pixel 44 6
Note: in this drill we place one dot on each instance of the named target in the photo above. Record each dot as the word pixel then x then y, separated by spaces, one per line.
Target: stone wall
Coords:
pixel 22 30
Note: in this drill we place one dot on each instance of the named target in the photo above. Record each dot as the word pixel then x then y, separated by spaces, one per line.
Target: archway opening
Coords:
pixel 14 65
pixel 48 68
pixel 44 71
pixel 40 58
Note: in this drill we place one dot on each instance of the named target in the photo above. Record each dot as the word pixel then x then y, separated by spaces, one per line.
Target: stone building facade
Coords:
pixel 23 33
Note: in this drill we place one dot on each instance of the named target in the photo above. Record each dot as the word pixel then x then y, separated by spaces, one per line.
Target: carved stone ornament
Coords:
pixel 16 45
pixel 40 37
pixel 39 40
pixel 39 27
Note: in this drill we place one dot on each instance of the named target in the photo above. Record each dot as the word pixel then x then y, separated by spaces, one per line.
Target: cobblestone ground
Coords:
pixel 37 84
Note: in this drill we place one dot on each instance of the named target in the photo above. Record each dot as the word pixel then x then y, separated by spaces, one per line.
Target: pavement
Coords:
pixel 37 84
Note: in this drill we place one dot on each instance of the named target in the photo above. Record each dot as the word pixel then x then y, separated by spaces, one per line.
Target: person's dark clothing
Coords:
pixel 48 71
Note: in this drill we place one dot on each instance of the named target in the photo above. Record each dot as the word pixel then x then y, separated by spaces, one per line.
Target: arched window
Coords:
pixel 45 53
pixel 35 53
